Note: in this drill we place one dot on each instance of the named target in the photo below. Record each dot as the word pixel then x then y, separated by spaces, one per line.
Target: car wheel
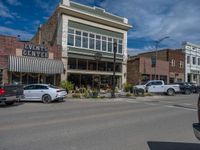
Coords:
pixel 187 91
pixel 170 92
pixel 9 102
pixel 46 98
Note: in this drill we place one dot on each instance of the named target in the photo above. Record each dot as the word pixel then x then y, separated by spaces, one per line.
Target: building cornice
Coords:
pixel 63 9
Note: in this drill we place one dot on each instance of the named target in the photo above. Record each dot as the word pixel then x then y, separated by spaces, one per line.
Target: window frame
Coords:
pixel 94 39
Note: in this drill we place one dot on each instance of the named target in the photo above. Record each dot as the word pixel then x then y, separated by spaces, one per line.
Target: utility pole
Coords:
pixel 156 53
pixel 114 64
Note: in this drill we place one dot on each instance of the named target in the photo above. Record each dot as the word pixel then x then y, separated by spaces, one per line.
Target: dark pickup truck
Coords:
pixel 9 94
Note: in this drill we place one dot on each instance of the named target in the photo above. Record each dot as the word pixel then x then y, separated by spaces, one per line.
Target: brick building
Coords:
pixel 86 35
pixel 176 59
pixel 27 63
pixel 140 70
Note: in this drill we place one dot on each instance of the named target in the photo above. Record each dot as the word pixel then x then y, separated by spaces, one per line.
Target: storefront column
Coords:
pixel 5 76
pixel 191 77
pixel 64 74
pixel 198 79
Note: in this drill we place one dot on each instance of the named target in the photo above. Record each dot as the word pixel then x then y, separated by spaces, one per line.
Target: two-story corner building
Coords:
pixel 176 59
pixel 86 35
pixel 192 63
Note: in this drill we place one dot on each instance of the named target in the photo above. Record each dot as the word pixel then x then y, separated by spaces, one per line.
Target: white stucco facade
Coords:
pixel 192 62
pixel 72 14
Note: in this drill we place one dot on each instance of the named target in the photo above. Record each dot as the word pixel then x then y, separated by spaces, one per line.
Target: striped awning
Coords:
pixel 35 65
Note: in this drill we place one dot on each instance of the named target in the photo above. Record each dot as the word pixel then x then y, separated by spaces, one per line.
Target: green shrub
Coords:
pixel 68 86
pixel 102 97
pixel 95 93
pixel 86 94
pixel 76 95
pixel 128 95
pixel 128 87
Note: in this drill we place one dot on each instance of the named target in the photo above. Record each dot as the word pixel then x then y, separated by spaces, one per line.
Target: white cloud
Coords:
pixel 14 2
pixel 15 32
pixel 135 51
pixel 154 19
pixel 4 11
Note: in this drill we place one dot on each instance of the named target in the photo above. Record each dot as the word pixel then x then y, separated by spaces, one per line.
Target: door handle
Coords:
pixel 41 91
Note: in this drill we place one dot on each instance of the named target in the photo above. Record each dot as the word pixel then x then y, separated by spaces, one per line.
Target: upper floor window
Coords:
pixel 199 61
pixel 120 46
pixel 181 64
pixel 110 44
pixel 78 39
pixel 173 63
pixel 188 59
pixel 71 37
pixel 98 42
pixel 194 60
pixel 85 39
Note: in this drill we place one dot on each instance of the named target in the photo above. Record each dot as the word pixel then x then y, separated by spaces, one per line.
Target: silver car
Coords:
pixel 43 92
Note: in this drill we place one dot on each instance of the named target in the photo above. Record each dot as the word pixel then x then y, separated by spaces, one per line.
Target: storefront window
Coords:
pixel 32 78
pixel 92 65
pixel 109 66
pixel 72 63
pixel 15 77
pixel 82 64
pixel 102 66
pixel 24 78
pixel 118 67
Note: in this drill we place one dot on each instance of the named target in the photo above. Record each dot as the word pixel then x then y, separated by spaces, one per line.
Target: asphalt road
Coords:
pixel 155 123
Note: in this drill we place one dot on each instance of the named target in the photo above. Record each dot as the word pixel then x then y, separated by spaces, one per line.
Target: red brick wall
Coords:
pixel 48 31
pixel 146 67
pixel 133 73
pixel 178 56
pixel 168 55
pixel 8 46
pixel 143 65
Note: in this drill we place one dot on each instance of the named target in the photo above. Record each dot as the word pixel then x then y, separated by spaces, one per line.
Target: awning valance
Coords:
pixel 35 65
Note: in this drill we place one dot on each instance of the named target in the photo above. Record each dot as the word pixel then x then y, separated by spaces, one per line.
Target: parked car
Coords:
pixel 185 88
pixel 43 92
pixel 196 126
pixel 158 86
pixel 195 87
pixel 9 94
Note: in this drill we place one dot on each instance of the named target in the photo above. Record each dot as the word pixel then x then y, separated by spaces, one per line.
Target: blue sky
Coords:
pixel 151 19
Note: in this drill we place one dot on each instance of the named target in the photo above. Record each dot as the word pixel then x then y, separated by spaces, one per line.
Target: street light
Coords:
pixel 157 44
pixel 114 64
